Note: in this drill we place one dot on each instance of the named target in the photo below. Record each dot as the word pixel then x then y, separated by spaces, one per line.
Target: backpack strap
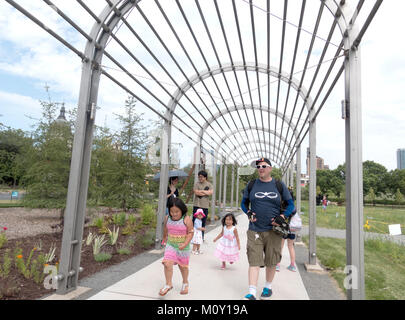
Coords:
pixel 249 187
pixel 279 188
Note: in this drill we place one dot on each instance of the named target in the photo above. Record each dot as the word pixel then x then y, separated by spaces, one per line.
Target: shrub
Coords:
pixel 98 243
pixel 102 256
pixel 120 219
pixel 6 266
pixel 114 235
pixel 148 215
pixel 3 237
pixel 124 251
pixel 98 222
pixel 148 239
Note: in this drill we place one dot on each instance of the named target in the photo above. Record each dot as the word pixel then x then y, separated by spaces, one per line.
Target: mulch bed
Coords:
pixel 16 287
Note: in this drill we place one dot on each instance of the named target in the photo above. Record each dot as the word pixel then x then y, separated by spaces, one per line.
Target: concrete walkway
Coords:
pixel 207 280
pixel 341 234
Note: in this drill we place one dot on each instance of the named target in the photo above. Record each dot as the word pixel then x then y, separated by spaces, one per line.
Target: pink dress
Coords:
pixel 227 248
pixel 177 232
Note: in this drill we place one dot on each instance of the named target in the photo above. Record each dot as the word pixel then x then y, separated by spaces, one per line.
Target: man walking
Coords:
pixel 202 190
pixel 263 243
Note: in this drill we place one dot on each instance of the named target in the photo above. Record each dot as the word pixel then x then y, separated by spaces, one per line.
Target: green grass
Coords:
pixel 378 217
pixel 10 203
pixel 384 266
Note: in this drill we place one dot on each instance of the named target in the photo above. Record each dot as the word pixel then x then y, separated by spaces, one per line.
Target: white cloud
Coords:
pixel 15 110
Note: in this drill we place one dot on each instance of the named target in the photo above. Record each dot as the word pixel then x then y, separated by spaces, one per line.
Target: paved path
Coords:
pixel 207 280
pixel 341 234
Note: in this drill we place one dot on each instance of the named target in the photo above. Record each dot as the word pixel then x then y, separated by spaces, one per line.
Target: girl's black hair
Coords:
pixel 177 202
pixel 172 178
pixel 234 222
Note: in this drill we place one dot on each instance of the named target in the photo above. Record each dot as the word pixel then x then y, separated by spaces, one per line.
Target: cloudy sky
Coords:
pixel 30 59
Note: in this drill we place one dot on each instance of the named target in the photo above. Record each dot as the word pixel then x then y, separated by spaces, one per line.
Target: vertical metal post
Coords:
pixel 354 172
pixel 298 180
pixel 214 185
pixel 78 180
pixel 220 188
pixel 225 183
pixel 237 187
pixel 291 182
pixel 164 180
pixel 232 185
pixel 312 192
pixel 197 162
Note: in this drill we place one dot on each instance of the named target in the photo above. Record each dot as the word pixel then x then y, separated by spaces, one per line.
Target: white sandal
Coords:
pixel 165 290
pixel 184 288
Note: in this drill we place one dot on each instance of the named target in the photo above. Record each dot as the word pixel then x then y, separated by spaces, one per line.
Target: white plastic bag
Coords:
pixel 296 222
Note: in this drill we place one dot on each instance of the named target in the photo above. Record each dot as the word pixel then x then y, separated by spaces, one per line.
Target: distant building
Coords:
pixel 401 159
pixel 320 165
pixel 62 117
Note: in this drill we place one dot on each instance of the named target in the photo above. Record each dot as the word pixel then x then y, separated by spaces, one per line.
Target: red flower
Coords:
pixel 5 228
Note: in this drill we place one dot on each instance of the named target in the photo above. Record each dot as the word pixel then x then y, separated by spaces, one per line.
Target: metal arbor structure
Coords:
pixel 249 77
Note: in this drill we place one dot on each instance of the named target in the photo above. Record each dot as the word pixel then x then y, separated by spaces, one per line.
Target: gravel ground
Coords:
pixel 21 222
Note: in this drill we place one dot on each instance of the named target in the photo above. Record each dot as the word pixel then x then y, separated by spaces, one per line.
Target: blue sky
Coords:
pixel 30 58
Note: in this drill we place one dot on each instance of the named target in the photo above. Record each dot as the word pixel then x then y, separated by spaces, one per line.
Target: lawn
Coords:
pixel 384 266
pixel 378 217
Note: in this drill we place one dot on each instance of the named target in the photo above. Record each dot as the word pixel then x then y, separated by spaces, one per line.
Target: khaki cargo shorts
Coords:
pixel 263 248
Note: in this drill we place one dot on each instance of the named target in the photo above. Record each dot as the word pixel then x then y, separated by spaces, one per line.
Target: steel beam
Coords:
pixel 354 173
pixel 312 192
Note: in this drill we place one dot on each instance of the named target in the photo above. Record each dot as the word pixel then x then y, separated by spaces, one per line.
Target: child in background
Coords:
pixel 178 232
pixel 229 245
pixel 324 203
pixel 198 230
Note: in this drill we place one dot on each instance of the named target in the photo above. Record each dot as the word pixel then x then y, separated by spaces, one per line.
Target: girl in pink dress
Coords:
pixel 177 234
pixel 228 246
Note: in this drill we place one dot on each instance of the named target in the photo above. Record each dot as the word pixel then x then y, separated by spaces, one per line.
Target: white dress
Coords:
pixel 197 237
pixel 227 248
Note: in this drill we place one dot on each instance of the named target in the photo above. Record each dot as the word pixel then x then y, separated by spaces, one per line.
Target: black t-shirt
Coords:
pixel 176 193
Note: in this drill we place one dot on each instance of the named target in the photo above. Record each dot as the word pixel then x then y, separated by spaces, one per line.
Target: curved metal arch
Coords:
pixel 242 107
pixel 252 128
pixel 238 66
pixel 340 13
pixel 255 157
pixel 252 141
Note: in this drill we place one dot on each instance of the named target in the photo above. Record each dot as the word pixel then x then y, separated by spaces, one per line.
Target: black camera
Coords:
pixel 283 228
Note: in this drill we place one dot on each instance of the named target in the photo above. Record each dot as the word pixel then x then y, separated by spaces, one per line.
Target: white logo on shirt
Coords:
pixel 271 195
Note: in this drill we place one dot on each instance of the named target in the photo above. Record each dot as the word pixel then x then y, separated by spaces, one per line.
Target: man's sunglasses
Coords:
pixel 263 166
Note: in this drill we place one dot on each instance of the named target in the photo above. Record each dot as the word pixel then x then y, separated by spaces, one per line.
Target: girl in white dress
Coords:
pixel 198 229
pixel 228 246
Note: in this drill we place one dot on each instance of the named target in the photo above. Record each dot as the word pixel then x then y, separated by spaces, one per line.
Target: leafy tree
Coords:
pixel 371 196
pixel 330 181
pixel 374 175
pixel 102 161
pixel 47 178
pixel 399 198
pixel 13 146
pixel 120 161
pixel 396 180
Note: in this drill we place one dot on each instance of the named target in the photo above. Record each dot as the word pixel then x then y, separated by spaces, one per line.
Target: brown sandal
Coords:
pixel 165 290
pixel 184 288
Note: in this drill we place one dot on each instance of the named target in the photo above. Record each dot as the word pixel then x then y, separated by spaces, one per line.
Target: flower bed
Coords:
pixel 23 260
